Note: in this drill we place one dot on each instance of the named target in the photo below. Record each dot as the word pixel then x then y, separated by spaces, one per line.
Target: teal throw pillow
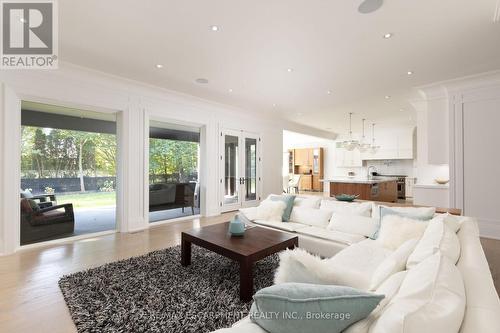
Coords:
pixel 302 307
pixel 288 200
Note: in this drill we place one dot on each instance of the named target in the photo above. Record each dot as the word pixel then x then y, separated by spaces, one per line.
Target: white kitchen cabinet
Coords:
pixel 394 144
pixel 348 159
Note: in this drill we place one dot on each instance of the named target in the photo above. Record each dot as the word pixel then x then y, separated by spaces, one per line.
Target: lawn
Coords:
pixel 88 199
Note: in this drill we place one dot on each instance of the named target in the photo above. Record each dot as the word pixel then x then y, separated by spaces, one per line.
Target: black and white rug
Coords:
pixel 154 293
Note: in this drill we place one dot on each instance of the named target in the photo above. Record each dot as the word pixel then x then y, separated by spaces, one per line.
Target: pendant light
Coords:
pixel 363 146
pixel 350 144
pixel 374 147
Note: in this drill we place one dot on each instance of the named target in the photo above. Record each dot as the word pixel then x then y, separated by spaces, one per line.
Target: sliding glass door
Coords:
pixel 174 162
pixel 68 172
pixel 240 180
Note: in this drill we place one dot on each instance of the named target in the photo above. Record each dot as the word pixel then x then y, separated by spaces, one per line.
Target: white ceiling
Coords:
pixel 328 43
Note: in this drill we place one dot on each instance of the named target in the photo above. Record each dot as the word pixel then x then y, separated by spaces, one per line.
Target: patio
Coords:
pixel 96 212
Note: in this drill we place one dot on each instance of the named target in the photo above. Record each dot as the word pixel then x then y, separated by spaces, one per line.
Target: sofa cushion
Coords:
pixel 337 236
pixel 437 237
pixel 347 208
pixel 243 326
pixel 389 288
pixel 287 226
pixel 357 263
pixel 430 299
pixel 354 224
pixel 306 202
pixel 321 308
pixel 417 213
pixel 310 216
pixel 394 263
pixel 395 230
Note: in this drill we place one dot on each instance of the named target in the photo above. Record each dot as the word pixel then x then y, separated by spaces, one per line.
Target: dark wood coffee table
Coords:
pixel 256 244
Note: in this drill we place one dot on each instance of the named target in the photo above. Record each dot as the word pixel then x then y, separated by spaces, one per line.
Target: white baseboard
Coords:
pixel 489 228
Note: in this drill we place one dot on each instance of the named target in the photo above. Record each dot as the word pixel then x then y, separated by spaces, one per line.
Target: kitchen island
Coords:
pixel 374 188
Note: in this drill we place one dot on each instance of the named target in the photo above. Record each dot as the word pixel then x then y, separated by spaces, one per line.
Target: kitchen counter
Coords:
pixel 358 180
pixel 375 189
pixel 432 186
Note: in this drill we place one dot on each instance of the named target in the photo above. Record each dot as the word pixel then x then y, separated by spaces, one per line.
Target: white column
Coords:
pixel 10 137
pixel 131 133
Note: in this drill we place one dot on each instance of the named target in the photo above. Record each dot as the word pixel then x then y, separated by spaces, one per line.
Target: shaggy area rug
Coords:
pixel 154 293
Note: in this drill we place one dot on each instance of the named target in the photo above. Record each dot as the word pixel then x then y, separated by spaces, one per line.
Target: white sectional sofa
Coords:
pixel 461 295
pixel 310 219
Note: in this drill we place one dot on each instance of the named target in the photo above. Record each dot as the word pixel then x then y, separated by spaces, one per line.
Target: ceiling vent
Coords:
pixel 496 18
pixel 369 6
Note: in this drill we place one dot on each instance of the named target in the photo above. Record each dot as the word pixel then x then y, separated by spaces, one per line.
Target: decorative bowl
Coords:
pixel 442 181
pixel 346 197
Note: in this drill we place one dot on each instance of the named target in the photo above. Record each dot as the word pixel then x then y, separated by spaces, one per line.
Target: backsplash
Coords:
pixel 393 167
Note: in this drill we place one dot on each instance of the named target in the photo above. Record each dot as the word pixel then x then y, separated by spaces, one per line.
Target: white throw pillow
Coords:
pixel 250 212
pixel 437 237
pixel 395 230
pixel 347 208
pixel 353 224
pixel 396 262
pixel 268 210
pixel 430 299
pixel 389 288
pixel 310 216
pixel 306 202
pixel 452 221
pixel 421 213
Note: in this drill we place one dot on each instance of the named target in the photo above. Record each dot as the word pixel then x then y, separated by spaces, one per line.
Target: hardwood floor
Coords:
pixel 30 300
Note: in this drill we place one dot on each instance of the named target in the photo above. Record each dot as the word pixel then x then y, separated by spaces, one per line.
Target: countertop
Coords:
pixel 432 186
pixel 359 180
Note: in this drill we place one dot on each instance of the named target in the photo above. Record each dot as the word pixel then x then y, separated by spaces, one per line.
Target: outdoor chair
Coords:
pixel 45 223
pixel 43 200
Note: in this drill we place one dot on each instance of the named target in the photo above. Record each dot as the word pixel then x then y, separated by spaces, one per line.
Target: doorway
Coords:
pixel 240 165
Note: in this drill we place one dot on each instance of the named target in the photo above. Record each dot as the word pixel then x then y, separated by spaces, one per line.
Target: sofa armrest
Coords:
pixel 68 209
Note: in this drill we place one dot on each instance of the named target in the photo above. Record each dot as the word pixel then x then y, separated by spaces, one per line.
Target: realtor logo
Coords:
pixel 29 34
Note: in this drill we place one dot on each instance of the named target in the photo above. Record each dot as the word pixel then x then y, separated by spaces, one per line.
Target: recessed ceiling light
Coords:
pixel 159 66
pixel 201 80
pixel 329 92
pixel 387 97
pixel 230 90
pixel 214 27
pixel 410 73
pixel 289 70
pixel 388 35
pixel 274 105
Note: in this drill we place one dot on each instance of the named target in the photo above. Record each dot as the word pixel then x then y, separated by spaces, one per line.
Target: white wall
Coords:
pixel 134 103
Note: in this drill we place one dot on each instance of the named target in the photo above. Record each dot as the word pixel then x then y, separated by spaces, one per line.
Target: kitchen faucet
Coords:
pixel 369 175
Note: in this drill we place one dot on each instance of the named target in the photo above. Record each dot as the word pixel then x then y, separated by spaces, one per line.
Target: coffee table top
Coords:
pixel 257 242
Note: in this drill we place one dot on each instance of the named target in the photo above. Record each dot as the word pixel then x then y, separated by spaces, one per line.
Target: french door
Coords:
pixel 240 169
